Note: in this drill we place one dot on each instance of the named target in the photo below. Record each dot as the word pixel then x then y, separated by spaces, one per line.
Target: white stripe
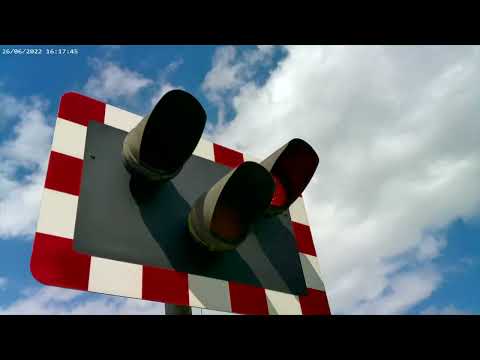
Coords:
pixel 115 278
pixel 311 271
pixel 58 212
pixel 121 119
pixel 298 212
pixel 248 157
pixel 69 138
pixel 209 293
pixel 282 303
pixel 204 149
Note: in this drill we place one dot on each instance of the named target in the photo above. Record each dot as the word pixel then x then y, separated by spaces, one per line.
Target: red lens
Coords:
pixel 279 198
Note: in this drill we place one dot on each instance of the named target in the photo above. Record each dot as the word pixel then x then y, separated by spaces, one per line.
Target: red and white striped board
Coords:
pixel 54 262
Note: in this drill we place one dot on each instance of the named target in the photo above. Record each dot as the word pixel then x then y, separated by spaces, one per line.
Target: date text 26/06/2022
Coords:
pixel 40 51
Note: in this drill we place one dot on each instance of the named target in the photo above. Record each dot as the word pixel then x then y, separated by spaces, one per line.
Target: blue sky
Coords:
pixel 394 205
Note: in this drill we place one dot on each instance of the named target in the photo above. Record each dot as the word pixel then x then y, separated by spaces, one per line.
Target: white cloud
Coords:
pixel 112 82
pixel 24 155
pixel 430 247
pixel 19 206
pixel 163 89
pixel 109 51
pixel 402 291
pixel 10 107
pixel 3 283
pixel 165 85
pixel 31 135
pixel 171 68
pixel 469 261
pixel 396 129
pixel 23 160
pixel 225 74
pixel 58 301
pixel 231 70
pixel 447 310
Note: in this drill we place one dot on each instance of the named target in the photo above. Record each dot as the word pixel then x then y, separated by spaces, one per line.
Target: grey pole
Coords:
pixel 171 309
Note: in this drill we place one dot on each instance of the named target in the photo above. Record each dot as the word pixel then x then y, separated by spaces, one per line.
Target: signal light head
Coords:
pixel 158 147
pixel 221 218
pixel 292 167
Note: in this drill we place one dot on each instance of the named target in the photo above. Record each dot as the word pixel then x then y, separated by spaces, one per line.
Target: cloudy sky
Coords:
pixel 394 205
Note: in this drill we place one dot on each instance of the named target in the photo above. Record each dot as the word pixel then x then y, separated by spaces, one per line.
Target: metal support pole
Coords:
pixel 171 309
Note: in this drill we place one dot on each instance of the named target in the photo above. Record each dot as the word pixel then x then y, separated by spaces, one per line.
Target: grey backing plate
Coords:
pixel 121 220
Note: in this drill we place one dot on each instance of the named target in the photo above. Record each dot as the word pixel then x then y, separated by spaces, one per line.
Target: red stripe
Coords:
pixel 314 303
pixel 246 299
pixel 81 109
pixel 55 263
pixel 304 238
pixel 64 173
pixel 226 156
pixel 165 285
